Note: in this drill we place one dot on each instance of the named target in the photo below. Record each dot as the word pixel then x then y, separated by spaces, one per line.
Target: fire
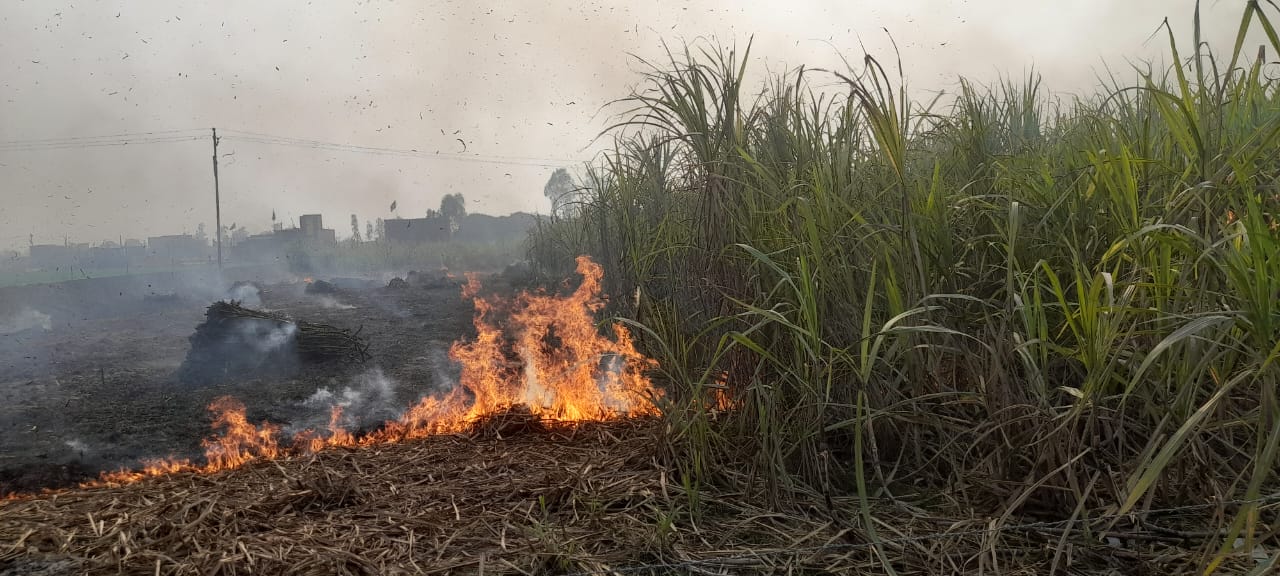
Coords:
pixel 310 441
pixel 309 280
pixel 721 399
pixel 559 364
pixel 553 360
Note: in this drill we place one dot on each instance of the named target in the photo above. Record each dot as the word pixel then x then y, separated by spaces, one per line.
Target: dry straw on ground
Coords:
pixel 518 497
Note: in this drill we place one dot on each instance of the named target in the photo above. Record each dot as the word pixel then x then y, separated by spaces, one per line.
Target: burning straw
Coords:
pixel 235 339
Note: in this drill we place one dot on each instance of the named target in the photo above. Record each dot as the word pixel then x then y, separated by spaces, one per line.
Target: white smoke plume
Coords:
pixel 265 336
pixel 26 319
pixel 331 303
pixel 246 294
pixel 369 401
pixel 78 446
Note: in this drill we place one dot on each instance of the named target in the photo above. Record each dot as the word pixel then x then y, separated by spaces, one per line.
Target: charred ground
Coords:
pixel 103 386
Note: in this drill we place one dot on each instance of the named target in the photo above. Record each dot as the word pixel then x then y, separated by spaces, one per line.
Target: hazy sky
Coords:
pixel 518 82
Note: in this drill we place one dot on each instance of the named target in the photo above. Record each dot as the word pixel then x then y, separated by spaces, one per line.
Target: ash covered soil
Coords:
pixel 100 389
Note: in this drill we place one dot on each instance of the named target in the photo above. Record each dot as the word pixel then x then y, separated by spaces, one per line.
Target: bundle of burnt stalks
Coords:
pixel 321 287
pixel 434 280
pixel 234 339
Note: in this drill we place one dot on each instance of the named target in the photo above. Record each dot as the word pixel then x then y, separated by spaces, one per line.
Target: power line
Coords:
pixel 400 152
pixel 410 150
pixel 96 143
pixel 186 135
pixel 102 137
pixel 499 156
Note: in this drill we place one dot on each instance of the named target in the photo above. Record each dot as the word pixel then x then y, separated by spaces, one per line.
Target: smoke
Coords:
pixel 264 336
pixel 612 366
pixel 331 303
pixel 78 446
pixel 26 319
pixel 369 401
pixel 535 394
pixel 245 293
pixel 445 373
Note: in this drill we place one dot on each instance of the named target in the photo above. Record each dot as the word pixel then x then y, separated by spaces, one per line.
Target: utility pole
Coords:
pixel 217 199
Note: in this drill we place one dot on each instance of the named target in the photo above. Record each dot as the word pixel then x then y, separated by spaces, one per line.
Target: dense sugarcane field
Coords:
pixel 997 331
pixel 1002 303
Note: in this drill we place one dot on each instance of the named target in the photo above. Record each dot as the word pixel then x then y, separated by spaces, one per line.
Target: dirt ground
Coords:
pixel 100 389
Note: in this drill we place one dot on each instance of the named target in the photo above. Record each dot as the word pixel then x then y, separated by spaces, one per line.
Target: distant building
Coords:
pixel 259 248
pixel 51 256
pixel 486 229
pixel 313 230
pixel 273 245
pixel 176 248
pixel 112 255
pixel 417 230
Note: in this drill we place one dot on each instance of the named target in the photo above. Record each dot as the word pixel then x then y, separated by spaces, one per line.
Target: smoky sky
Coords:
pixel 516 87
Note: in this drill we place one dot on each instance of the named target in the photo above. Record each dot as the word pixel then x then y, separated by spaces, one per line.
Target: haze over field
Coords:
pixel 514 86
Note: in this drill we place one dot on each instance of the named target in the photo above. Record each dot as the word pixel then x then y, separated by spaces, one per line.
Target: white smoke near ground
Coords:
pixel 445 373
pixel 246 294
pixel 77 445
pixel 535 394
pixel 330 303
pixel 26 319
pixel 264 336
pixel 369 401
pixel 612 366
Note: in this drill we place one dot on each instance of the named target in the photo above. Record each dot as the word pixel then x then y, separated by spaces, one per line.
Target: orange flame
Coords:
pixel 555 361
pixel 721 399
pixel 566 370
pixel 309 441
pixel 309 280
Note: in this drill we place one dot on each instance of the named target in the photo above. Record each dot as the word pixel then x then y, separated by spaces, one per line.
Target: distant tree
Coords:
pixel 355 229
pixel 381 229
pixel 201 235
pixel 454 208
pixel 560 190
pixel 368 231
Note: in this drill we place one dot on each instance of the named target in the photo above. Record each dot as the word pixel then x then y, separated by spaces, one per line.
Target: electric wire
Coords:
pixel 100 143
pixel 411 151
pixel 196 134
pixel 394 152
pixel 108 137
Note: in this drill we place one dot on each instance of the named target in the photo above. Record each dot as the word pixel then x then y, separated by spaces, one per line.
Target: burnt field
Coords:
pixel 92 372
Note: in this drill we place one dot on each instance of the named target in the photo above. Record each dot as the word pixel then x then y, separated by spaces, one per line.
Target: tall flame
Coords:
pixel 566 370
pixel 554 360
